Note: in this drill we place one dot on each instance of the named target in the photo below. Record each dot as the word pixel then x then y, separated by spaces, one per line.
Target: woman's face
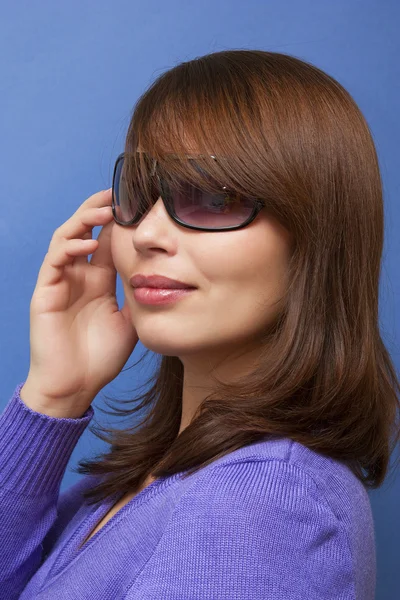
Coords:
pixel 239 275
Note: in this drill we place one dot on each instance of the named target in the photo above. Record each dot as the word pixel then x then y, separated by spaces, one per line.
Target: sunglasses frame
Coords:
pixel 169 205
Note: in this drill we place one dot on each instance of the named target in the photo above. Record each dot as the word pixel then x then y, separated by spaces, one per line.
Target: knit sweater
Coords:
pixel 272 520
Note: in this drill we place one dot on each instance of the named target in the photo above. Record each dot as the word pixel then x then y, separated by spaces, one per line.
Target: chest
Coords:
pixel 117 506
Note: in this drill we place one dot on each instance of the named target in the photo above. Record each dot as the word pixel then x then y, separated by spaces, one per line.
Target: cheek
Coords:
pixel 225 258
pixel 252 258
pixel 247 272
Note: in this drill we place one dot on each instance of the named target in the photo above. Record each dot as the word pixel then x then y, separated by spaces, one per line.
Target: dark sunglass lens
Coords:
pixel 129 201
pixel 190 204
pixel 204 209
pixel 123 207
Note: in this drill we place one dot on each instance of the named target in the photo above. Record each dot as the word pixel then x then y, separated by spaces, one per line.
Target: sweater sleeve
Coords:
pixel 34 453
pixel 251 530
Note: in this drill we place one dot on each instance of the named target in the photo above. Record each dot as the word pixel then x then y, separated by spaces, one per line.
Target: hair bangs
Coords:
pixel 197 137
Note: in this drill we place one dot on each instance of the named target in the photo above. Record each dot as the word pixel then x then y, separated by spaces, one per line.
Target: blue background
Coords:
pixel 70 75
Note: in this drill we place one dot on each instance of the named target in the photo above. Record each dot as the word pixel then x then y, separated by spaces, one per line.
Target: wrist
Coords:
pixel 59 408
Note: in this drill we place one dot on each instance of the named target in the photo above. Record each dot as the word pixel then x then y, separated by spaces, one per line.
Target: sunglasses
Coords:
pixel 186 204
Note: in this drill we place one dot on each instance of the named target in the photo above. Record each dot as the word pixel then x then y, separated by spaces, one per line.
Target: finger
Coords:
pixel 102 198
pixel 102 257
pixel 90 214
pixel 84 258
pixel 63 254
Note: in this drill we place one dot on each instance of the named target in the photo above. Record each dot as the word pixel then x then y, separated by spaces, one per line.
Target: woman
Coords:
pixel 251 179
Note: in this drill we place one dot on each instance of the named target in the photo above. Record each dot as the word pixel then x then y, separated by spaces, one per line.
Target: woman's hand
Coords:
pixel 79 339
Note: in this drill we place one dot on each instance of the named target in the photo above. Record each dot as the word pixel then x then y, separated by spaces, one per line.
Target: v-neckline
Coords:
pixel 75 546
pixel 111 504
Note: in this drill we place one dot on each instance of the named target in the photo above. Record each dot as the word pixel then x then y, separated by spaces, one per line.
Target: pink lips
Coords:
pixel 146 295
pixel 158 281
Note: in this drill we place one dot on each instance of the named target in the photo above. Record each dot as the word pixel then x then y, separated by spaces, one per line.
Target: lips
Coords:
pixel 158 281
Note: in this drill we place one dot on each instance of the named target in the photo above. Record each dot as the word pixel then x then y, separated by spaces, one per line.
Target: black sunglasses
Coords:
pixel 187 205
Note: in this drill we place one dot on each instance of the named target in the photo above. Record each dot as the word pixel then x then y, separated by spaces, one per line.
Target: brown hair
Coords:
pixel 293 136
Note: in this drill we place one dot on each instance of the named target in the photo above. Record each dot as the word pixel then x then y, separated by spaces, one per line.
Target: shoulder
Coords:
pixel 262 521
pixel 280 474
pixel 287 470
pixel 298 500
pixel 296 482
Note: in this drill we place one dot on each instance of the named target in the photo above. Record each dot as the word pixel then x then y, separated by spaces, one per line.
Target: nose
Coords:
pixel 155 208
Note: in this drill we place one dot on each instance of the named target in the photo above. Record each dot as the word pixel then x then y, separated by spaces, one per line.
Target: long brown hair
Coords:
pixel 293 136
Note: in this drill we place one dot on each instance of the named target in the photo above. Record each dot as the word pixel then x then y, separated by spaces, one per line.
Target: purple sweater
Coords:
pixel 273 520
